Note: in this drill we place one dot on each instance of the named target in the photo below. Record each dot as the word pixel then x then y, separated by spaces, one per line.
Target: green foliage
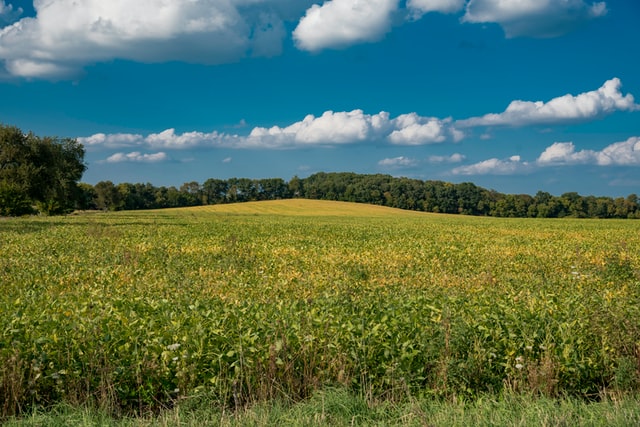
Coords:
pixel 138 311
pixel 38 171
pixel 13 200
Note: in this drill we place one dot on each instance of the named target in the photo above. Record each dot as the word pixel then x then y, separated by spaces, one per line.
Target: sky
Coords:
pixel 517 96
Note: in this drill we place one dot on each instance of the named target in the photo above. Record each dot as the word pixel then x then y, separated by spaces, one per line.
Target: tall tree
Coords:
pixel 38 171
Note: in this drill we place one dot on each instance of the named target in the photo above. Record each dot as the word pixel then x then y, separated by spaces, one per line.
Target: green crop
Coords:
pixel 140 310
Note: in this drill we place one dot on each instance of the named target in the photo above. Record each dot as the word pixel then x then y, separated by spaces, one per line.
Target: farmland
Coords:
pixel 258 301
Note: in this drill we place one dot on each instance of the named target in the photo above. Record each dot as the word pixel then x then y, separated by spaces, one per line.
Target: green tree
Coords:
pixel 38 171
pixel 191 194
pixel 107 196
pixel 215 191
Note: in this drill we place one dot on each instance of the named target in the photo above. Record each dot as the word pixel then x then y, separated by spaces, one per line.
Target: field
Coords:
pixel 246 303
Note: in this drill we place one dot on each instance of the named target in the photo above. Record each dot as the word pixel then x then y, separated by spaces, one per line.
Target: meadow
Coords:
pixel 141 311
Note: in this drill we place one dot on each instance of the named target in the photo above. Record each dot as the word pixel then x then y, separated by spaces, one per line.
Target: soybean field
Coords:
pixel 251 302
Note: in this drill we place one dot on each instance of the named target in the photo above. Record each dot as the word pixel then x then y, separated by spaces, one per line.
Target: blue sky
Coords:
pixel 512 95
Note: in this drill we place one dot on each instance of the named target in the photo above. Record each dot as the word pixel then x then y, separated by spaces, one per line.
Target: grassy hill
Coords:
pixel 303 207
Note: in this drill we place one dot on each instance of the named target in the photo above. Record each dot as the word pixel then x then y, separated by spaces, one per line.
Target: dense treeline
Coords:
pixel 38 174
pixel 404 193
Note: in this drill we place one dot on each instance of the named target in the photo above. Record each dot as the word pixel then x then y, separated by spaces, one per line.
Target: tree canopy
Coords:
pixel 38 174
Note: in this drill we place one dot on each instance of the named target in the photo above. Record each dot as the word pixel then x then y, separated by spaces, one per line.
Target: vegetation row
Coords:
pixel 384 190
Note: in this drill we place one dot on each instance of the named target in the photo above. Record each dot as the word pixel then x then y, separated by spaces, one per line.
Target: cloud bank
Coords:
pixel 351 127
pixel 624 153
pixel 564 109
pixel 329 129
pixel 67 35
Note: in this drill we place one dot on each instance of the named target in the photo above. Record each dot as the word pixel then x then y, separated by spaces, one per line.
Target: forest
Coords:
pixel 398 192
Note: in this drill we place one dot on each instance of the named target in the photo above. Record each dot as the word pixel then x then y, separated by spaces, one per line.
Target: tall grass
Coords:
pixel 338 407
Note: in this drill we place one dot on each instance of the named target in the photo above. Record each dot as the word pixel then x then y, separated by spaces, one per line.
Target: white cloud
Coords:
pixel 534 18
pixel 340 23
pixel 66 35
pixel 454 158
pixel 494 166
pixel 420 7
pixel 114 140
pixel 354 126
pixel 398 162
pixel 349 127
pixel 625 153
pixel 137 157
pixel 331 128
pixel 564 153
pixel 564 109
pixel 168 139
pixel 412 129
pixel 227 160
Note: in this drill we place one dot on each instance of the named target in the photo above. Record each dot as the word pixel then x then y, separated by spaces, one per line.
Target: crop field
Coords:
pixel 277 300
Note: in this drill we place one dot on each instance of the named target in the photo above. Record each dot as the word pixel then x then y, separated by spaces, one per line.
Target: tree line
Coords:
pixel 42 174
pixel 379 189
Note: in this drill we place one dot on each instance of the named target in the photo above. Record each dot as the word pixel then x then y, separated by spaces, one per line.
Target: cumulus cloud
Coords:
pixel 114 140
pixel 331 128
pixel 565 109
pixel 344 127
pixel 412 129
pixel 624 153
pixel 66 35
pixel 534 18
pixel 340 23
pixel 510 166
pixel 398 162
pixel 349 127
pixel 137 157
pixel 167 139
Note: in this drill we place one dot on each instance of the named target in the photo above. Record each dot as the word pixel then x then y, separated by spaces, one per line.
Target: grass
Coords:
pixel 338 407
